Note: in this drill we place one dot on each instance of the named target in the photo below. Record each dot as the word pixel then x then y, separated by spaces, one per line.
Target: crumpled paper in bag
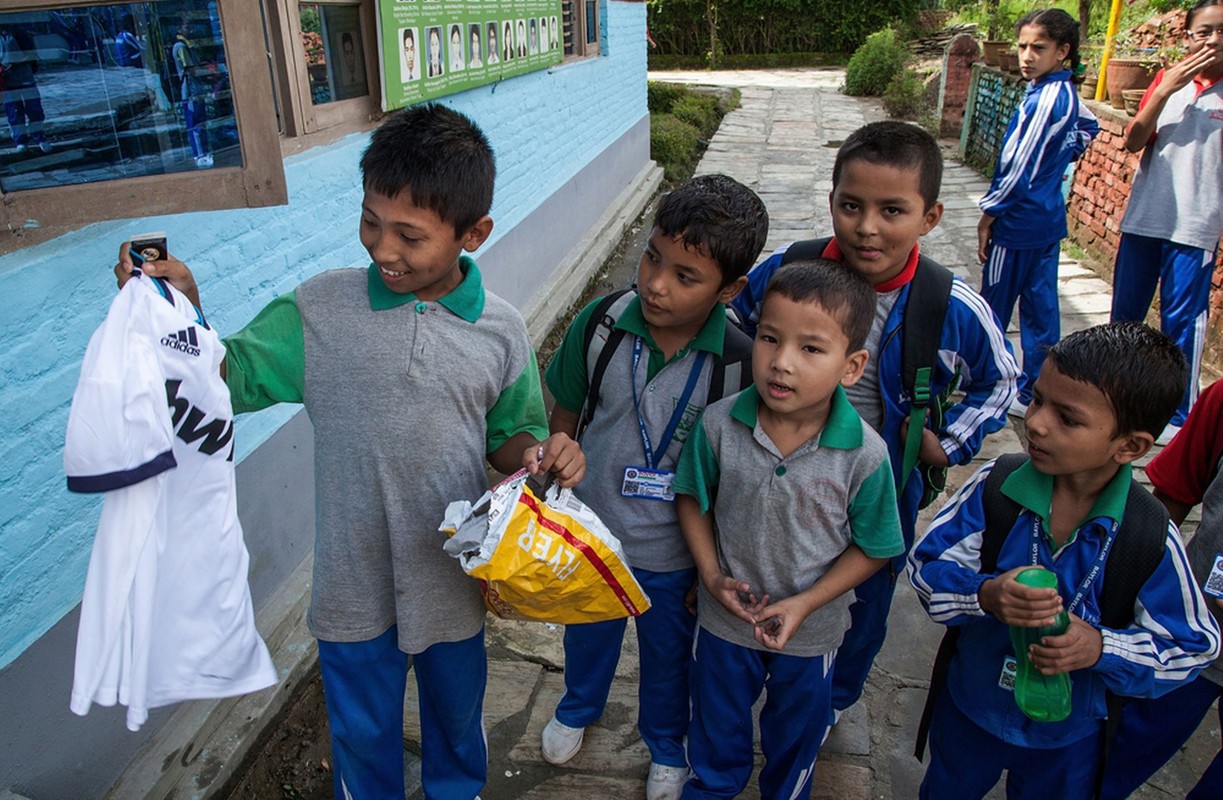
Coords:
pixel 549 561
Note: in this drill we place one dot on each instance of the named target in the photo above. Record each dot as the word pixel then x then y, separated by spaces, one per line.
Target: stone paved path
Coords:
pixel 781 142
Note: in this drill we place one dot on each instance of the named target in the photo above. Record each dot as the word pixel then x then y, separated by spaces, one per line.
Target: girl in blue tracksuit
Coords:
pixel 1023 216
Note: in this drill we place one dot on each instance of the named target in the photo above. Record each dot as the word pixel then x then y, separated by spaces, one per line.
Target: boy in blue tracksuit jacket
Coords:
pixel 1023 215
pixel 1095 404
pixel 885 197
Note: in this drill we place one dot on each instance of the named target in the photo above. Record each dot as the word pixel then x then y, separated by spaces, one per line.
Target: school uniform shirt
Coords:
pixel 166 614
pixel 406 397
pixel 648 529
pixel 782 522
pixel 1050 129
pixel 1179 182
pixel 1189 471
pixel 1172 637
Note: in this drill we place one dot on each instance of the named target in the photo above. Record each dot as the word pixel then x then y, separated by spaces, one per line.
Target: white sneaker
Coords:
pixel 559 742
pixel 665 783
pixel 21 148
pixel 44 146
pixel 1018 408
pixel 203 162
pixel 1168 434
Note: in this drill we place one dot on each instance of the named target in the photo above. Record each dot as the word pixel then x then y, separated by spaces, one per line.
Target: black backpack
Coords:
pixel 731 374
pixel 1136 552
pixel 925 311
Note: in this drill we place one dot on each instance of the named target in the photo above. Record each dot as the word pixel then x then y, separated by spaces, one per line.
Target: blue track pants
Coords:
pixel 364 684
pixel 726 681
pixel 1152 731
pixel 1029 277
pixel 664 642
pixel 966 761
pixel 1183 274
pixel 868 628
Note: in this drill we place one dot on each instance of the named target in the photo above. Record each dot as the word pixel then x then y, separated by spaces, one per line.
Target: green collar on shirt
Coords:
pixel 709 338
pixel 1034 491
pixel 842 431
pixel 466 300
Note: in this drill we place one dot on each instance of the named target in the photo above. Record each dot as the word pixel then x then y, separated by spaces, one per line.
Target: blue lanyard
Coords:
pixel 1092 573
pixel 651 460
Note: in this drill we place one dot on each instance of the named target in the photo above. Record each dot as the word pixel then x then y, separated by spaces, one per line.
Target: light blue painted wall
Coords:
pixel 544 128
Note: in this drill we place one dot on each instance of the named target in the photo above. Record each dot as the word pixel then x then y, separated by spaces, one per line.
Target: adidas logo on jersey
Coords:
pixel 184 341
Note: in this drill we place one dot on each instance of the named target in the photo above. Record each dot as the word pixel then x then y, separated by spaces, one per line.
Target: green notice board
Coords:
pixel 431 48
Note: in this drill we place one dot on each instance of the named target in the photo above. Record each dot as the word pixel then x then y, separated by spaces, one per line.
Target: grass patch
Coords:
pixel 748 61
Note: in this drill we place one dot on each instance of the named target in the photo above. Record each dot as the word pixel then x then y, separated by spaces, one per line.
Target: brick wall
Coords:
pixel 961 54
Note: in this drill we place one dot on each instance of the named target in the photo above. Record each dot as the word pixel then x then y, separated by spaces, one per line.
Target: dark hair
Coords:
pixel 439 157
pixel 1142 372
pixel 1198 6
pixel 408 34
pixel 720 215
pixel 1062 29
pixel 895 144
pixel 837 288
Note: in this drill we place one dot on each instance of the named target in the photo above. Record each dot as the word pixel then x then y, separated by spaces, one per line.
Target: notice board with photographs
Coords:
pixel 431 48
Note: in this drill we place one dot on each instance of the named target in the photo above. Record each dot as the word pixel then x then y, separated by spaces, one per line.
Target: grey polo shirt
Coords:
pixel 780 522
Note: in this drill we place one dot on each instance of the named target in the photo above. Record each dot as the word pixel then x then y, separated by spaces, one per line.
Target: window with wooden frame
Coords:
pixel 580 22
pixel 120 110
pixel 325 59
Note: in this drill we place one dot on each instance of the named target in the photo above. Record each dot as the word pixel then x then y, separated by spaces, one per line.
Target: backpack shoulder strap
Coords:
pixel 1135 555
pixel 805 250
pixel 732 373
pixel 925 311
pixel 1000 510
pixel 1000 515
pixel 601 338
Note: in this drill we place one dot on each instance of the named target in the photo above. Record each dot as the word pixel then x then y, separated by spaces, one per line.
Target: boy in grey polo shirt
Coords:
pixel 413 376
pixel 787 502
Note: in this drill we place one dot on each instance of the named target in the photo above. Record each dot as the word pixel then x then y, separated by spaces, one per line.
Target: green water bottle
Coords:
pixel 1044 698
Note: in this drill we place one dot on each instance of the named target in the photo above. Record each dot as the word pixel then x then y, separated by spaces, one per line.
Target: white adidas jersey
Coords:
pixel 167 611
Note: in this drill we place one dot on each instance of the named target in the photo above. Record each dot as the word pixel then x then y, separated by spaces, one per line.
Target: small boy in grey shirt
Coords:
pixel 786 500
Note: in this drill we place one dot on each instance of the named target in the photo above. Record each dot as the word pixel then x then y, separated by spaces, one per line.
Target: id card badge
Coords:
pixel 1214 581
pixel 1006 679
pixel 648 484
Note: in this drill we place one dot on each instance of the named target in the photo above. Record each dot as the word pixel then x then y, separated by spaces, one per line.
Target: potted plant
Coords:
pixel 995 28
pixel 1090 55
pixel 1129 68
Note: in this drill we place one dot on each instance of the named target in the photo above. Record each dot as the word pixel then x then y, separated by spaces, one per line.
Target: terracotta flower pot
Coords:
pixel 1087 89
pixel 1127 73
pixel 1131 99
pixel 992 49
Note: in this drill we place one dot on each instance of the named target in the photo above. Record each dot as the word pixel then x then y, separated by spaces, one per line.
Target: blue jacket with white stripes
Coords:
pixel 1172 635
pixel 971 345
pixel 1050 129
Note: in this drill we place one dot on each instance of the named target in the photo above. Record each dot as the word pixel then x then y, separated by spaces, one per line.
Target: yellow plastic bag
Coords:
pixel 550 561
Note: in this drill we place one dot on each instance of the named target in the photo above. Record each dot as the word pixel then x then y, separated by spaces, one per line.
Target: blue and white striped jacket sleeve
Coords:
pixel 943 564
pixel 974 346
pixel 1173 635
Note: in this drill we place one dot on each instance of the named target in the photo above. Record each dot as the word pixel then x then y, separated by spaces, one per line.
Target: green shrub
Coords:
pixel 875 64
pixel 698 110
pixel 903 97
pixel 673 144
pixel 660 97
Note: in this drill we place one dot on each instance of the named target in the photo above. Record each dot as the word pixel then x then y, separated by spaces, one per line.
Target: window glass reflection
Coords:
pixel 95 93
pixel 335 52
